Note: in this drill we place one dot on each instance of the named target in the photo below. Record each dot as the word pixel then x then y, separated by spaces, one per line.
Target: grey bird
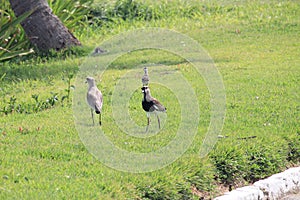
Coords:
pixel 145 78
pixel 94 98
pixel 150 104
pixel 98 51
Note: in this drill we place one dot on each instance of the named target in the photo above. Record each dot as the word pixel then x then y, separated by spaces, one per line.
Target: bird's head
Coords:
pixel 90 81
pixel 145 90
pixel 146 70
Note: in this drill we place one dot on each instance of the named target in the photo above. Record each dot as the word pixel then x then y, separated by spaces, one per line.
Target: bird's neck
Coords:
pixel 92 85
pixel 147 96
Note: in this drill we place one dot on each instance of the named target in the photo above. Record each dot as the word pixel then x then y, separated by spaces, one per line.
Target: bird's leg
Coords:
pixel 100 119
pixel 92 116
pixel 148 123
pixel 158 121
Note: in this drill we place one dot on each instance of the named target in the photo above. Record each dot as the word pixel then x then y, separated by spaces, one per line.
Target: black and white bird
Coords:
pixel 94 98
pixel 145 78
pixel 151 105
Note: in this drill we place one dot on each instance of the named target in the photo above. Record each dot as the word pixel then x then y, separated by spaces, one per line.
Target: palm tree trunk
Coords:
pixel 42 27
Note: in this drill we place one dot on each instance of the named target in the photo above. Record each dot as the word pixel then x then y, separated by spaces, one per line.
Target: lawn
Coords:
pixel 253 44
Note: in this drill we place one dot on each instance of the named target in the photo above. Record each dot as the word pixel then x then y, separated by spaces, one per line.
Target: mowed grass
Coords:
pixel 254 46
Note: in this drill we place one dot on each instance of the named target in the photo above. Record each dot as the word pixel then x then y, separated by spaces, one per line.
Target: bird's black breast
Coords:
pixel 147 106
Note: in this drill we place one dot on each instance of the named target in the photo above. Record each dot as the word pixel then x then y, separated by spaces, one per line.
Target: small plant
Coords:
pixel 263 161
pixel 71 13
pixel 122 9
pixel 156 191
pixel 130 9
pixel 13 42
pixel 293 147
pixel 3 76
pixel 69 87
pixel 201 177
pixel 14 107
pixel 229 163
pixel 37 103
pixel 53 99
pixel 11 106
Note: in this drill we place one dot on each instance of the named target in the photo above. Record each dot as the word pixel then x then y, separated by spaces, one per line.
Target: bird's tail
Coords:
pixel 97 110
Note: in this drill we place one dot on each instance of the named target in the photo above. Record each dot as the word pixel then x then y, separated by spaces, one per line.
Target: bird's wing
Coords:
pixel 157 105
pixel 99 99
pixel 94 98
pixel 99 95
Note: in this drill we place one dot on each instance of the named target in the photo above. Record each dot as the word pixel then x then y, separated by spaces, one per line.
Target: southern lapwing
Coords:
pixel 151 105
pixel 145 78
pixel 94 98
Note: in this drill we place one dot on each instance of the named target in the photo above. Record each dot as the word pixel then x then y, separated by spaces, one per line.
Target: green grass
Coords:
pixel 254 46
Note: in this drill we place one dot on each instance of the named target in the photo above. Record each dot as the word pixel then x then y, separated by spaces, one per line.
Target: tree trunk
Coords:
pixel 42 27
